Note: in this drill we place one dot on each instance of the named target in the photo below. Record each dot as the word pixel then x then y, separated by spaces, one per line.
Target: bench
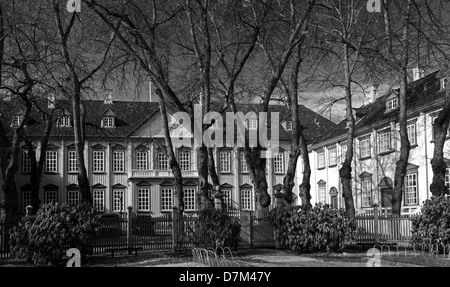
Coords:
pixel 112 250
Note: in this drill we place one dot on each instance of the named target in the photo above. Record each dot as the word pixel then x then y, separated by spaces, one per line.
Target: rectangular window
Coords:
pixel 17 120
pixel 244 167
pixel 144 199
pixel 166 199
pixel 141 160
pixel 252 124
pixel 189 199
pixel 321 159
pixel 322 194
pixel 225 161
pixel 108 122
pixel 26 162
pixel 246 199
pixel 99 161
pixel 72 164
pixel 227 197
pixel 392 104
pixel 98 199
pixel 118 200
pixel 118 161
pixel 447 178
pixel 64 121
pixel 384 142
pixel 278 163
pixel 73 197
pixel 163 161
pixel 412 133
pixel 366 190
pixel 334 201
pixel 444 83
pixel 332 156
pixel 26 199
pixel 343 152
pixel 289 125
pixel 411 196
pixel 184 159
pixel 50 196
pixel 364 147
pixel 51 161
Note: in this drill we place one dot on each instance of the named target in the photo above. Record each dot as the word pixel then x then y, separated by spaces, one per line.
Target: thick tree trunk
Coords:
pixel 212 170
pixel 438 164
pixel 305 186
pixel 257 170
pixel 202 167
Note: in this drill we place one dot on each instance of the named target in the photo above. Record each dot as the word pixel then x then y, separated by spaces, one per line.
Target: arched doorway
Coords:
pixel 386 192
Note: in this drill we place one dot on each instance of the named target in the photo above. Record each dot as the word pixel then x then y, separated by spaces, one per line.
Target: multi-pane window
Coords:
pixel 184 159
pixel 246 199
pixel 334 201
pixel 118 161
pixel 141 160
pixel 411 196
pixel 98 199
pixel 16 121
pixel 166 199
pixel 163 161
pixel 321 159
pixel 64 121
pixel 118 200
pixel 50 196
pixel 366 191
pixel 252 124
pixel 392 104
pixel 444 83
pixel 227 197
pixel 384 142
pixel 322 193
pixel 72 163
pixel 447 178
pixel 144 199
pixel 411 129
pixel 364 147
pixel 225 161
pixel 244 167
pixel 278 163
pixel 73 197
pixel 343 152
pixel 51 161
pixel 108 122
pixel 26 162
pixel 332 156
pixel 189 199
pixel 289 125
pixel 26 199
pixel 99 161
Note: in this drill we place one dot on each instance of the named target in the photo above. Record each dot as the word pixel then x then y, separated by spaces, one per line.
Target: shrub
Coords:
pixel 45 237
pixel 215 228
pixel 432 225
pixel 319 228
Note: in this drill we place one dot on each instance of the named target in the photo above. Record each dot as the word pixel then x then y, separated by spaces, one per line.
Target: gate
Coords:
pixel 256 230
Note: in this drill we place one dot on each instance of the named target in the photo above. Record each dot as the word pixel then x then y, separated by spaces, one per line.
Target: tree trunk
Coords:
pixel 212 170
pixel 305 186
pixel 202 167
pixel 438 164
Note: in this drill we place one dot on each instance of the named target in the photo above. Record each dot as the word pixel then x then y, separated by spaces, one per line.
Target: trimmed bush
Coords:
pixel 320 228
pixel 432 225
pixel 45 237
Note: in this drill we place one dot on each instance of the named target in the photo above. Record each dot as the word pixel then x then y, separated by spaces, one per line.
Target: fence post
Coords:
pixel 375 222
pixel 175 228
pixel 130 229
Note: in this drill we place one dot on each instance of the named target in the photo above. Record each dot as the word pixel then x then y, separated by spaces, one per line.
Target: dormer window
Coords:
pixel 392 104
pixel 64 121
pixel 16 121
pixel 251 124
pixel 444 83
pixel 107 122
pixel 289 125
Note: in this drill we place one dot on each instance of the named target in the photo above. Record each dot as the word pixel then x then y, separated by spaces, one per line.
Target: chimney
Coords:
pixel 108 99
pixel 370 95
pixel 51 101
pixel 418 73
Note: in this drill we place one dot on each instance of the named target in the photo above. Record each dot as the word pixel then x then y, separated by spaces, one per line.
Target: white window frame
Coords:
pixel 98 161
pixel 50 196
pixel 166 199
pixel 411 189
pixel 26 162
pixel 334 201
pixel 366 193
pixel 412 133
pixel 343 152
pixel 227 197
pixel 108 122
pixel 384 142
pixel 189 199
pixel 321 159
pixel 332 156
pixel 118 200
pixel 289 125
pixel 64 121
pixel 16 121
pixel 447 178
pixel 444 83
pixel 278 163
pixel 243 165
pixel 392 104
pixel 163 161
pixel 251 124
pixel 184 159
pixel 225 161
pixel 141 160
pixel 246 199
pixel 364 147
pixel 72 161
pixel 71 198
pixel 143 199
pixel 98 199
pixel 26 199
pixel 51 161
pixel 118 161
pixel 322 193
